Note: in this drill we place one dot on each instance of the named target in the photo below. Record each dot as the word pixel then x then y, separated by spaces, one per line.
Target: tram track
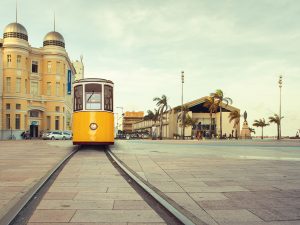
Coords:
pixel 167 209
pixel 16 215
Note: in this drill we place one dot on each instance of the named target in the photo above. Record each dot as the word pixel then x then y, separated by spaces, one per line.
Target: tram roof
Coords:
pixel 93 80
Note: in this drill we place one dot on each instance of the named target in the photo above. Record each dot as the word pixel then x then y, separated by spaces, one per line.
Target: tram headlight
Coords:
pixel 93 126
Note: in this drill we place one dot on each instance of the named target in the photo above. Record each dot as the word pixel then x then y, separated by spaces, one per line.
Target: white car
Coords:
pixel 57 135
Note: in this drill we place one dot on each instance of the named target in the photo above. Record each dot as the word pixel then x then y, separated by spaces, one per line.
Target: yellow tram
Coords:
pixel 93 117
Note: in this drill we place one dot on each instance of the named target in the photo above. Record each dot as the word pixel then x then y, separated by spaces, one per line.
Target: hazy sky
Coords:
pixel 238 46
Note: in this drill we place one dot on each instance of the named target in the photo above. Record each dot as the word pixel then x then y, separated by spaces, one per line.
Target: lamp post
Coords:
pixel 280 86
pixel 182 81
pixel 120 107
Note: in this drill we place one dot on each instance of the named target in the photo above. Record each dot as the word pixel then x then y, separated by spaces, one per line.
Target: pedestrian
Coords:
pixel 23 134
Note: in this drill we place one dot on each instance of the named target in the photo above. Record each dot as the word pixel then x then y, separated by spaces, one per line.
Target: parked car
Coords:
pixel 57 135
pixel 68 135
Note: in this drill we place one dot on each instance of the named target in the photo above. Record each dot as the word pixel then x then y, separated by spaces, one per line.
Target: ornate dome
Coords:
pixel 15 30
pixel 54 38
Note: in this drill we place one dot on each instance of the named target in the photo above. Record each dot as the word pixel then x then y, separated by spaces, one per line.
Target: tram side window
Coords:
pixel 78 98
pixel 93 96
pixel 108 98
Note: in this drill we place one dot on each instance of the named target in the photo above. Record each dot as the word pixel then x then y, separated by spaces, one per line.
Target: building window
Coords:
pixel 7 106
pixel 63 109
pixel 34 67
pixel 18 85
pixel 57 67
pixel 57 109
pixel 56 122
pixel 108 98
pixel 48 88
pixel 18 61
pixel 18 106
pixel 7 121
pixel 34 88
pixel 64 89
pixel 18 121
pixel 48 122
pixel 8 60
pixel 57 89
pixel 8 84
pixel 93 95
pixel 78 98
pixel 34 113
pixel 49 67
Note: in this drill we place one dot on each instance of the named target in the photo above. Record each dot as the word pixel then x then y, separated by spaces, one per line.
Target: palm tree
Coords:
pixel 212 104
pixel 220 96
pixel 152 115
pixel 182 116
pixel 261 123
pixel 163 107
pixel 235 116
pixel 276 119
pixel 252 130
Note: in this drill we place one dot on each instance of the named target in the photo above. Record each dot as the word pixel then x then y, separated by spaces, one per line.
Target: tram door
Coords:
pixel 34 131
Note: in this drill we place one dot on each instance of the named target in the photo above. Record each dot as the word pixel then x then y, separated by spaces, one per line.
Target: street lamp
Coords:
pixel 182 81
pixel 280 86
pixel 120 107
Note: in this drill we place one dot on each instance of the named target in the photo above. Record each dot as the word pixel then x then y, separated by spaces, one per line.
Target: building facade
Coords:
pixel 172 127
pixel 129 119
pixel 35 84
pixel 79 69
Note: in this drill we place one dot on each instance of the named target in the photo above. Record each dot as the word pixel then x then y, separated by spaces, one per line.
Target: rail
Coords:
pixel 163 202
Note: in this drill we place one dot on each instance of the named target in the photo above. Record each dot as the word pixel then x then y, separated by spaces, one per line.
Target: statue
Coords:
pixel 245 116
pixel 245 132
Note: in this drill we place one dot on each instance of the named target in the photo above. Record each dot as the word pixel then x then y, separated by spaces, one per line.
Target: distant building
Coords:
pixel 35 83
pixel 130 118
pixel 79 68
pixel 171 124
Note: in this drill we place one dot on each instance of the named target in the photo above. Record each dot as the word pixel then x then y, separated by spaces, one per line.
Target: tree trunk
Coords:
pixel 277 131
pixel 160 127
pixel 221 122
pixel 210 125
pixel 262 132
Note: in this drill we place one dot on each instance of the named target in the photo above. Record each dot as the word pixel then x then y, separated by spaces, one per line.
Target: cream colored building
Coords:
pixel 79 68
pixel 171 125
pixel 129 119
pixel 35 83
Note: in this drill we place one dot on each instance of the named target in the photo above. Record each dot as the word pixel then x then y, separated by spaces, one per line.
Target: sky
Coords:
pixel 239 46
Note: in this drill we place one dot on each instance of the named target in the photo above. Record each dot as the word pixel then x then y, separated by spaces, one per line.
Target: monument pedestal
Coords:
pixel 245 132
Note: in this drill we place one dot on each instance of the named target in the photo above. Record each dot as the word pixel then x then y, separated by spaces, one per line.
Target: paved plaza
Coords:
pixel 218 182
pixel 227 182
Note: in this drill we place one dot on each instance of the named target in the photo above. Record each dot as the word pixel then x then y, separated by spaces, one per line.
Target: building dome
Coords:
pixel 54 38
pixel 15 30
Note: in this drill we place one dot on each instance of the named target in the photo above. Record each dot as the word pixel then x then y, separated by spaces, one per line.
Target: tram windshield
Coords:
pixel 93 93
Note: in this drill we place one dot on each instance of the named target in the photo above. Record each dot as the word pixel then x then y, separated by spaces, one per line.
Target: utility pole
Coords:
pixel 280 86
pixel 121 107
pixel 182 81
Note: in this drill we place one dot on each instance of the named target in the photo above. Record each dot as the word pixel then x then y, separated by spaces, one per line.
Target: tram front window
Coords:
pixel 78 98
pixel 93 96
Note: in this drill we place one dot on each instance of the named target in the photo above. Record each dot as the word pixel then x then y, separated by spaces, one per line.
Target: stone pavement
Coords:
pixel 23 164
pixel 89 190
pixel 222 183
